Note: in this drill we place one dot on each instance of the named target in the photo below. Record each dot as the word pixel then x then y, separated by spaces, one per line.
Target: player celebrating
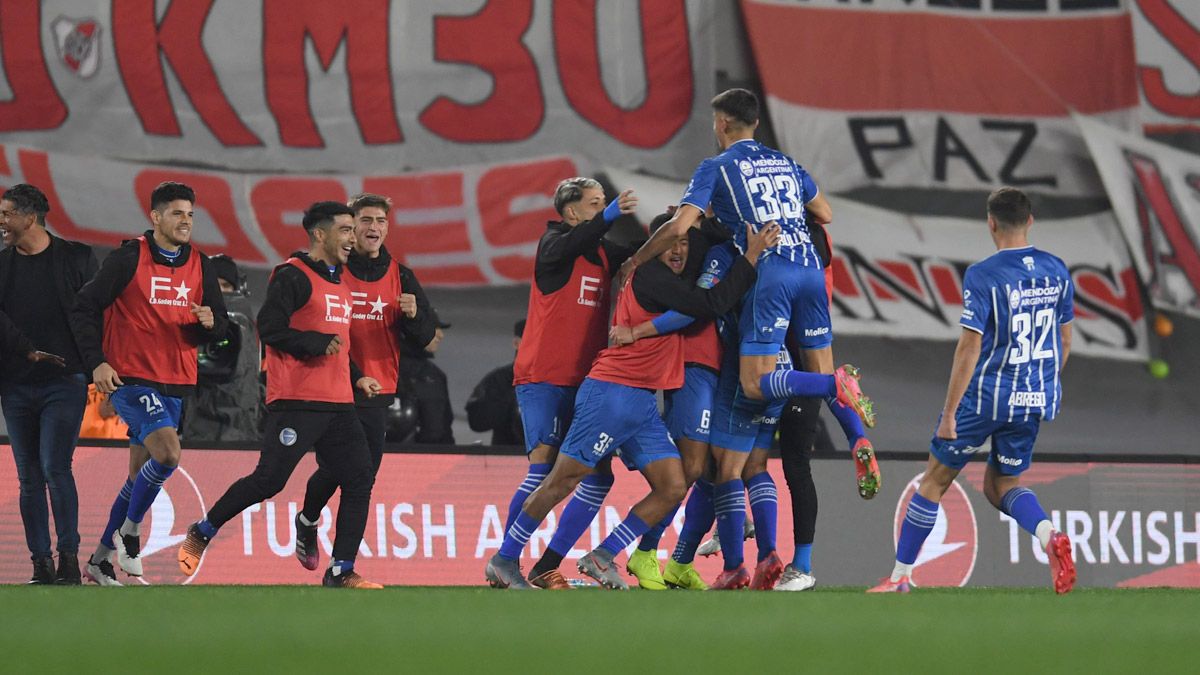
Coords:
pixel 616 408
pixel 751 183
pixel 1017 311
pixel 305 324
pixel 565 329
pixel 138 324
pixel 388 305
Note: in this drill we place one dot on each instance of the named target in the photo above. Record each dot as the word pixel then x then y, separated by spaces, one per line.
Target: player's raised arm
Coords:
pixel 686 216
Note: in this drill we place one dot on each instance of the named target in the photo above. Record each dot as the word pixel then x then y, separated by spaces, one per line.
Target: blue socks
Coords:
pixel 784 384
pixel 625 533
pixel 116 516
pixel 698 516
pixel 849 420
pixel 729 500
pixel 537 473
pixel 802 560
pixel 518 535
pixel 206 528
pixel 580 511
pixel 145 488
pixel 1022 505
pixel 650 540
pixel 764 506
pixel 918 523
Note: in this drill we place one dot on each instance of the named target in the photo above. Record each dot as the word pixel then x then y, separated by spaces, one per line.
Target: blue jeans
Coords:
pixel 43 425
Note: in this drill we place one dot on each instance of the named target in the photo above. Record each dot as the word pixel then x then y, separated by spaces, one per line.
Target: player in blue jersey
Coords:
pixel 1016 320
pixel 753 184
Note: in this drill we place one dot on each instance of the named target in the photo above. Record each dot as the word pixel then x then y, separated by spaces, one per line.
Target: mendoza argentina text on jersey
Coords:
pixel 1017 299
pixel 751 183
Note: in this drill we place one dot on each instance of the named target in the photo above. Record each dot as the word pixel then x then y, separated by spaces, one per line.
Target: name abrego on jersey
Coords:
pixel 1017 299
pixel 751 183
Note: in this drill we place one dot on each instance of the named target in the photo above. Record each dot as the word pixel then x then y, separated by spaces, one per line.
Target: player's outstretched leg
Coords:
pixel 577 516
pixel 919 520
pixel 643 564
pixel 1021 504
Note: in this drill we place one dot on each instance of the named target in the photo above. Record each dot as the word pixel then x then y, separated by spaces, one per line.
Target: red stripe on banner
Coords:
pixel 867 60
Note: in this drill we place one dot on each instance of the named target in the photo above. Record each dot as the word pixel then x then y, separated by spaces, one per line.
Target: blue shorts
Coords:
pixel 740 423
pixel 145 410
pixel 546 411
pixel 1012 442
pixel 785 294
pixel 610 416
pixel 689 408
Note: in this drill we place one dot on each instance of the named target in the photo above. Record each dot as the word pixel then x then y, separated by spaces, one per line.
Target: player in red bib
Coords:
pixel 616 408
pixel 387 304
pixel 305 324
pixel 138 324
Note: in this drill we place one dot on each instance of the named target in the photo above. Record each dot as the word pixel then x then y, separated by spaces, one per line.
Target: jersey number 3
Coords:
pixel 1023 325
pixel 778 195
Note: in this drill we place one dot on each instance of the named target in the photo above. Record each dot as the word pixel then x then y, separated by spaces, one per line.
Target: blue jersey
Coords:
pixel 1017 299
pixel 751 183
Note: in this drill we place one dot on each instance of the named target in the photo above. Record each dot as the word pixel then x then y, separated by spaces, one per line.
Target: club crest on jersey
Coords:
pixel 336 311
pixel 77 42
pixel 163 293
pixel 746 168
pixel 1014 299
pixel 375 313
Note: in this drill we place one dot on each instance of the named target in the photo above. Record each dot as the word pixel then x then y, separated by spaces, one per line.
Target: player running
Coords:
pixel 305 324
pixel 1017 311
pixel 388 304
pixel 566 327
pixel 616 408
pixel 138 324
pixel 751 183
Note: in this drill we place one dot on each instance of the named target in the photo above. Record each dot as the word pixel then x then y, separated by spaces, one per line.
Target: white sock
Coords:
pixel 131 527
pixel 901 570
pixel 102 553
pixel 1044 530
pixel 305 521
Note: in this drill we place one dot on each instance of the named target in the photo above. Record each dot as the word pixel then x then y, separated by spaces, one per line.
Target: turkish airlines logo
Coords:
pixel 177 505
pixel 948 556
pixel 336 310
pixel 590 292
pixel 163 293
pixel 78 46
pixel 359 299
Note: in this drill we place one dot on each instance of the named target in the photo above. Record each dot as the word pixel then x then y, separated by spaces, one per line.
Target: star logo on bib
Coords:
pixel 378 305
pixel 181 291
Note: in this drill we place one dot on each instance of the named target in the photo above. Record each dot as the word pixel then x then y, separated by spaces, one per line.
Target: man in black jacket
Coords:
pixel 43 399
pixel 493 403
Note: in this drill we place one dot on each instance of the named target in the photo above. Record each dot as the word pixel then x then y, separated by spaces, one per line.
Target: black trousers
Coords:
pixel 341 447
pixel 798 430
pixel 324 483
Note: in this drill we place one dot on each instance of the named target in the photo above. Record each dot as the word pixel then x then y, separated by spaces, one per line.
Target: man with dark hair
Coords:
pixel 567 327
pixel 305 323
pixel 1020 297
pixel 617 408
pixel 388 305
pixel 138 324
pixel 43 398
pixel 493 403
pixel 751 183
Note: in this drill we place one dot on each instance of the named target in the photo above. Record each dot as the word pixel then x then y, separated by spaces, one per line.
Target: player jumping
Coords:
pixel 1017 311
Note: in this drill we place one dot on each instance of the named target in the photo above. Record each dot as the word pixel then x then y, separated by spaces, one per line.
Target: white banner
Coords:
pixel 469 225
pixel 1155 193
pixel 1167 34
pixel 901 276
pixel 370 86
pixel 906 104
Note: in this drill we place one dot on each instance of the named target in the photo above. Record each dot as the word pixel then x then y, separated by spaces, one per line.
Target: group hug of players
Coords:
pixel 709 311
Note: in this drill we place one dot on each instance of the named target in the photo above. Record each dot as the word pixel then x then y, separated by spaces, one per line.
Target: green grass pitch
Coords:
pixel 478 630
